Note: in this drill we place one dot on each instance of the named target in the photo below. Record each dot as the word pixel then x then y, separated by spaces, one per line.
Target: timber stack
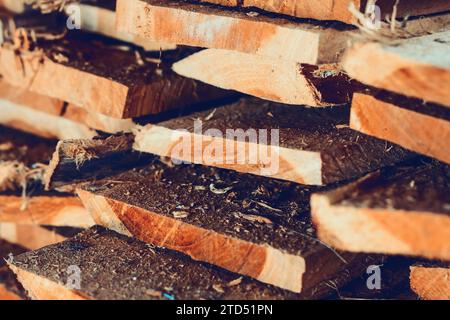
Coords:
pixel 224 149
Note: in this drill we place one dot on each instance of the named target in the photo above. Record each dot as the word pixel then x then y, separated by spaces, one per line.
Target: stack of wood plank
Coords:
pixel 252 149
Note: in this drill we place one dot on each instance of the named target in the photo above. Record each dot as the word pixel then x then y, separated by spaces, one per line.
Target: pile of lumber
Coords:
pixel 217 149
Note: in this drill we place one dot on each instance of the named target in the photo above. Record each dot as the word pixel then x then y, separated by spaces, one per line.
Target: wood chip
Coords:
pixel 180 214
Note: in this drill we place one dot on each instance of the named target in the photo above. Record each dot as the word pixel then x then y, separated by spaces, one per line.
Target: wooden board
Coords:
pixel 255 226
pixel 10 288
pixel 401 210
pixel 6 294
pixel 418 67
pixel 311 146
pixel 219 28
pixel 162 274
pixel 413 124
pixel 267 78
pixel 16 6
pixel 102 19
pixel 33 206
pixel 337 10
pixel 40 123
pixel 78 161
pixel 29 236
pixel 431 281
pixel 52 118
pixel 51 210
pixel 119 84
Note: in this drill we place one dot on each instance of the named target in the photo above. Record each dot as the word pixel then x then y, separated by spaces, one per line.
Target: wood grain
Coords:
pixel 403 213
pixel 103 21
pixel 39 288
pixel 31 237
pixel 418 67
pixel 6 295
pixel 205 26
pixel 52 118
pixel 412 130
pixel 247 241
pixel 314 145
pixel 115 85
pixel 431 282
pixel 59 211
pixel 267 78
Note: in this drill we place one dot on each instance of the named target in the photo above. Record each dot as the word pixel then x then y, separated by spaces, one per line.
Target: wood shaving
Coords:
pixel 139 59
pixel 60 58
pixel 264 205
pixel 235 282
pixel 215 190
pixel 7 146
pixel 218 288
pixel 252 14
pixel 253 218
pixel 211 115
pixel 153 293
pixel 180 214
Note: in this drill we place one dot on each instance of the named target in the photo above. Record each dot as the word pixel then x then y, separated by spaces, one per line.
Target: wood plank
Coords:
pixel 78 161
pixel 20 203
pixel 16 6
pixel 57 120
pixel 413 124
pixel 431 281
pixel 418 67
pixel 51 210
pixel 400 210
pixel 337 10
pixel 7 295
pixel 255 226
pixel 118 85
pixel 10 288
pixel 100 17
pixel 311 146
pixel 17 239
pixel 32 237
pixel 40 123
pixel 119 257
pixel 219 28
pixel 267 78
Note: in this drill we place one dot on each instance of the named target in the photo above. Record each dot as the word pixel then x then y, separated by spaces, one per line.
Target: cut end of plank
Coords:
pixel 370 216
pixel 267 78
pixel 40 288
pixel 430 282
